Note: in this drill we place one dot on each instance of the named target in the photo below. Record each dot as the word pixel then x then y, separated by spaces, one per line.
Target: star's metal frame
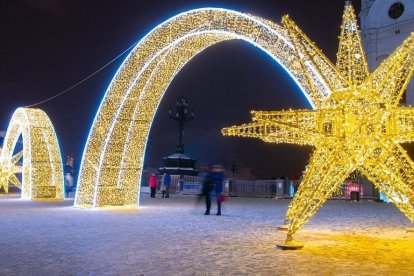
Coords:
pixel 358 126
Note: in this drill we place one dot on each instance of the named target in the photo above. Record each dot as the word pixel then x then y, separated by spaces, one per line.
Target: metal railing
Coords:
pixel 191 185
pixel 280 188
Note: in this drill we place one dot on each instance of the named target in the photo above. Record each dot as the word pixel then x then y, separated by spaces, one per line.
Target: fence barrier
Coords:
pixel 279 188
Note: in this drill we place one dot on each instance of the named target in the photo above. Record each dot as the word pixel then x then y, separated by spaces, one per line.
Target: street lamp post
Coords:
pixel 183 113
pixel 234 168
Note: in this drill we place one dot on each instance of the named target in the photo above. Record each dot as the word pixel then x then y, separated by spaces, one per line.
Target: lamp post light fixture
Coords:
pixel 183 113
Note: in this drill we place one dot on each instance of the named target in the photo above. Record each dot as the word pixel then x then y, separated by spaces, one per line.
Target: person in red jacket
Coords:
pixel 153 184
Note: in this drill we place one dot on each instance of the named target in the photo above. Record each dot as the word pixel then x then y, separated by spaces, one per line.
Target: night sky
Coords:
pixel 47 46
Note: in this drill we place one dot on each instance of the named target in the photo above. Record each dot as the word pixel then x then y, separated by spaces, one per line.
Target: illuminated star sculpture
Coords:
pixel 358 126
pixel 8 171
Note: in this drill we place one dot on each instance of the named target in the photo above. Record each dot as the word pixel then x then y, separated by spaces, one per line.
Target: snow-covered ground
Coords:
pixel 173 237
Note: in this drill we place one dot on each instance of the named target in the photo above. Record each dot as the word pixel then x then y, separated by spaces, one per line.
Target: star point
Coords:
pixel 8 171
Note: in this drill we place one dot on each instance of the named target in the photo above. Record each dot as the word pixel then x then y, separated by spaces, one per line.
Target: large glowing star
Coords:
pixel 358 127
pixel 8 171
pixel 113 157
pixel 42 171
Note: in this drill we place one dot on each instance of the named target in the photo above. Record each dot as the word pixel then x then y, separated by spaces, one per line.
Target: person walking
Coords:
pixel 69 176
pixel 217 176
pixel 68 184
pixel 153 184
pixel 207 187
pixel 166 181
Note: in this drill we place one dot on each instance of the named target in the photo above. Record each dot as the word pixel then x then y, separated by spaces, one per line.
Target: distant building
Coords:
pixel 385 24
pixel 353 190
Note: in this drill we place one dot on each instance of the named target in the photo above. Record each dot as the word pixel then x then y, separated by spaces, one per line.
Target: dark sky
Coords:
pixel 48 45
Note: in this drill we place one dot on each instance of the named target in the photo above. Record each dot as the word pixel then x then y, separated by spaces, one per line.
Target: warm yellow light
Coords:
pixel 113 158
pixel 8 170
pixel 359 126
pixel 42 163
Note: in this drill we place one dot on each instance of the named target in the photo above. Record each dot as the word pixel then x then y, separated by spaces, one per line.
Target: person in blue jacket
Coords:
pixel 166 181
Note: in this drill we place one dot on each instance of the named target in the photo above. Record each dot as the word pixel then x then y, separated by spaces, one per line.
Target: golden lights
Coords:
pixel 8 170
pixel 358 126
pixel 42 171
pixel 113 157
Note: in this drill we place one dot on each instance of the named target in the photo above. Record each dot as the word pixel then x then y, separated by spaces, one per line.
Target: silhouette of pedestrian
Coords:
pixel 217 176
pixel 207 187
pixel 166 182
pixel 153 184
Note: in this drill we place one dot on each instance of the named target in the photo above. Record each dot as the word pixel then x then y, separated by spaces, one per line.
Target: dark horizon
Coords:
pixel 50 45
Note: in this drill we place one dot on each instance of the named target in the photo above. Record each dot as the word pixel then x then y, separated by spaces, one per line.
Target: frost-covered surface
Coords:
pixel 173 237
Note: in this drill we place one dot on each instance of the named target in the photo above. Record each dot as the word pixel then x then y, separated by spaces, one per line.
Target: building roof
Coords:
pixel 177 156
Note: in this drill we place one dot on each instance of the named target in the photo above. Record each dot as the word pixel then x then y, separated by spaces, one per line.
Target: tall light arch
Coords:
pixel 42 175
pixel 113 157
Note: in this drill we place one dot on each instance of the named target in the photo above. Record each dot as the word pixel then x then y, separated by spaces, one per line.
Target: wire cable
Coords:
pixel 84 79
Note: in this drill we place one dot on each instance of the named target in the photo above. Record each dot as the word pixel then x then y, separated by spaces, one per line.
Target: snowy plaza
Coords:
pixel 173 237
pixel 356 123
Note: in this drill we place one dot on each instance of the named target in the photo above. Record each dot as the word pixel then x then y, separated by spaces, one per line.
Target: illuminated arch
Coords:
pixel 42 176
pixel 112 161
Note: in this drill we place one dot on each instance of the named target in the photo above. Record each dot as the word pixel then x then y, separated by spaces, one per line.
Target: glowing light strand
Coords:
pixel 82 80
